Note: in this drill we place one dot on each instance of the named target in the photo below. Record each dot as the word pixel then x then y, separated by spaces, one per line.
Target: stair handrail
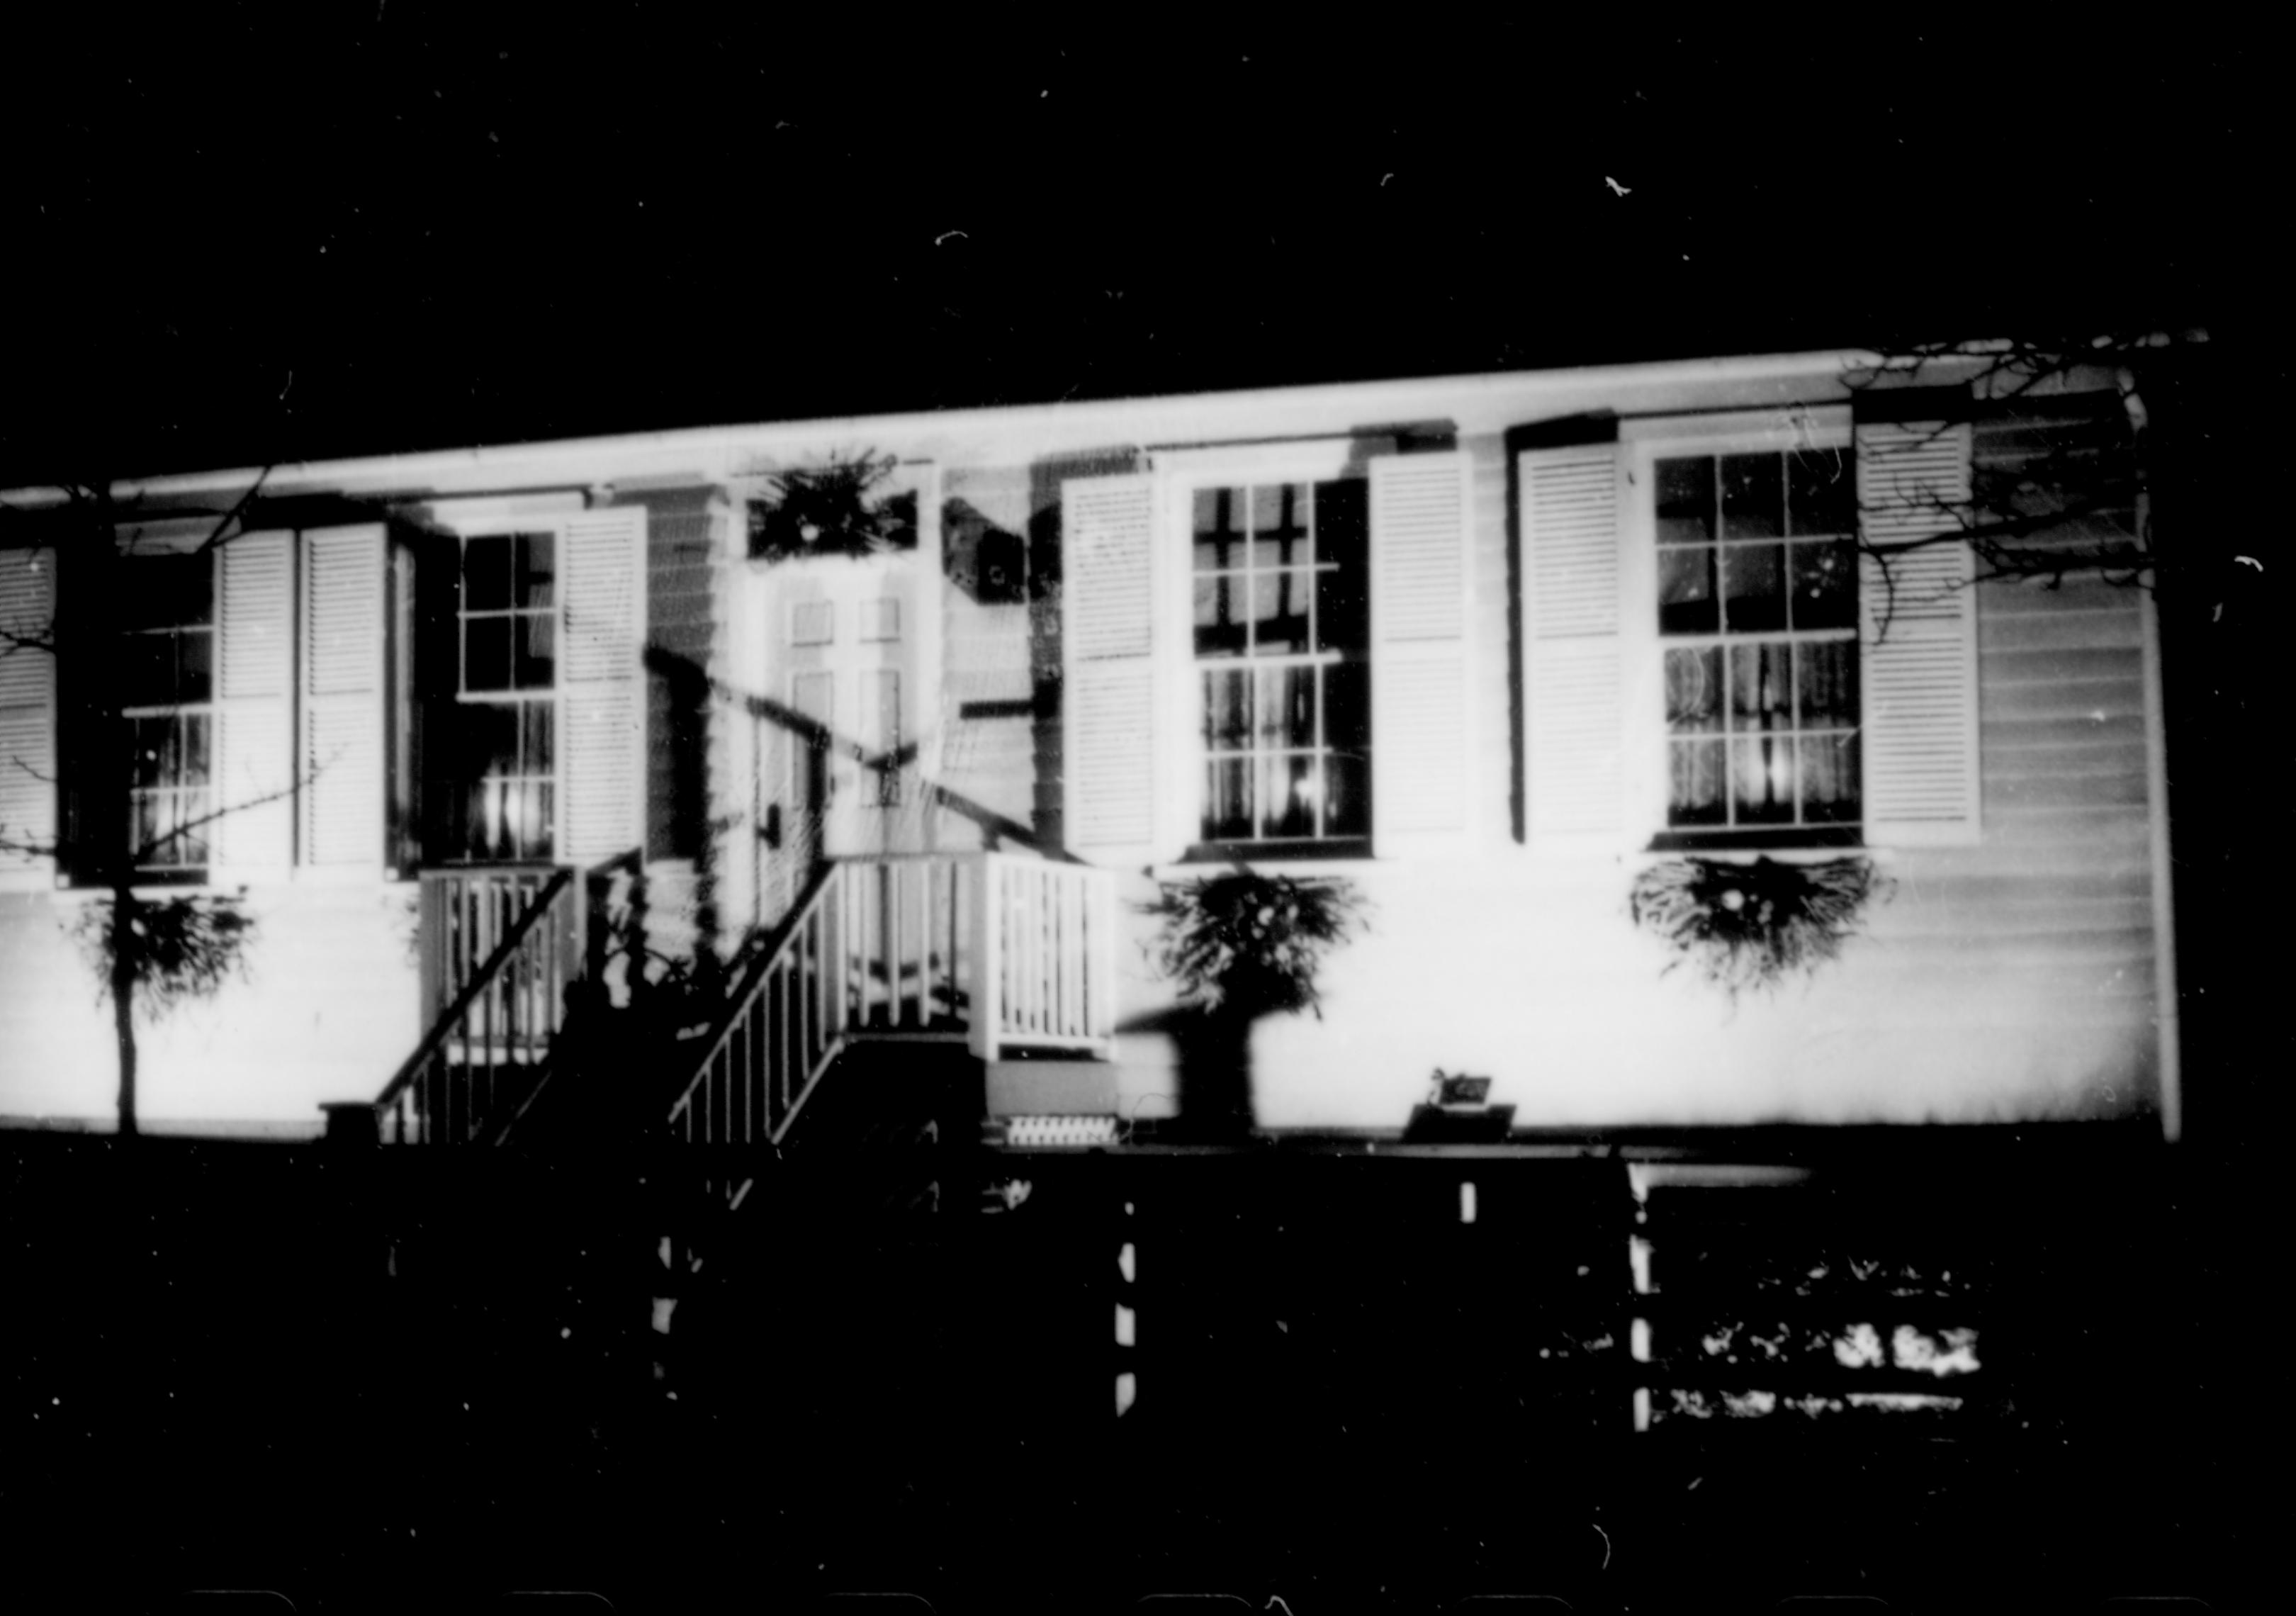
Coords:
pixel 442 1027
pixel 742 1001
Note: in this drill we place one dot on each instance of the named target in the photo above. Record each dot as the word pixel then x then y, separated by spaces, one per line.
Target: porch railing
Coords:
pixel 509 970
pixel 990 949
pixel 463 916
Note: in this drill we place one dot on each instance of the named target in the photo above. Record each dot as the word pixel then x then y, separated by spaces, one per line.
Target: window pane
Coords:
pixel 190 846
pixel 490 739
pixel 1227 799
pixel 1762 780
pixel 147 670
pixel 1287 707
pixel 1279 525
pixel 1228 712
pixel 150 739
pixel 1826 675
pixel 1761 687
pixel 167 592
pixel 1753 496
pixel 1280 614
pixel 1754 587
pixel 1220 632
pixel 1343 524
pixel 1695 795
pixel 1218 534
pixel 1343 613
pixel 144 833
pixel 1693 691
pixel 1686 501
pixel 1822 491
pixel 1347 706
pixel 194 665
pixel 536 572
pixel 537 641
pixel 195 731
pixel 536 723
pixel 486 653
pixel 1288 806
pixel 1346 795
pixel 1829 778
pixel 1685 591
pixel 1825 585
pixel 486 574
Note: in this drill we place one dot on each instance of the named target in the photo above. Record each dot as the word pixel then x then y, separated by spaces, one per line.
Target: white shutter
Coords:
pixel 28 713
pixel 255 745
pixel 1574 717
pixel 341 757
pixel 601 684
pixel 1918 627
pixel 1109 743
pixel 1421 770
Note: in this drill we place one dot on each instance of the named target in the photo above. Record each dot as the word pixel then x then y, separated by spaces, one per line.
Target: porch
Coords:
pixel 526 972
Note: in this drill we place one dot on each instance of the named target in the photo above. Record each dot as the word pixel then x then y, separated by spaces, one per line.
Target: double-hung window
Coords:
pixel 166 674
pixel 1281 645
pixel 506 620
pixel 1757 609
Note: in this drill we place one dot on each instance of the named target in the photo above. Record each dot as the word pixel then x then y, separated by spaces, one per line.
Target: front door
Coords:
pixel 840 778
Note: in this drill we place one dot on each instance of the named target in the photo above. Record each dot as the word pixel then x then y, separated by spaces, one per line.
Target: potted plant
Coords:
pixel 1241 946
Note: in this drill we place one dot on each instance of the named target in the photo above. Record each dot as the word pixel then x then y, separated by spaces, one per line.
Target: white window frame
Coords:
pixel 1181 474
pixel 508 523
pixel 1642 648
pixel 193 870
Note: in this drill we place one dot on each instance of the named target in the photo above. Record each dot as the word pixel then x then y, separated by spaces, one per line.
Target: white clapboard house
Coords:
pixel 1493 648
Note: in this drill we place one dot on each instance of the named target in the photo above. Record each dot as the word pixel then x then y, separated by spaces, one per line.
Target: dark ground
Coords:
pixel 216 1379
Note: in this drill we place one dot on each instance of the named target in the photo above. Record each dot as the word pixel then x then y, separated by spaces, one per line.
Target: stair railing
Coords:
pixel 990 949
pixel 786 1025
pixel 486 1049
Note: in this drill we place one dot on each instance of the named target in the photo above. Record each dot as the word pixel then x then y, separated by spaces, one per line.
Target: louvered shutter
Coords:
pixel 255 714
pixel 1572 773
pixel 1422 771
pixel 27 712
pixel 343 750
pixel 1918 628
pixel 1111 747
pixel 601 685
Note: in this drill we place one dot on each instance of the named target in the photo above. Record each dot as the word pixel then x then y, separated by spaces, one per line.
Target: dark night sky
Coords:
pixel 262 237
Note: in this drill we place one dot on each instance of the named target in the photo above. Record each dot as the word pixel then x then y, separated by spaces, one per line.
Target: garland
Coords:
pixel 1752 925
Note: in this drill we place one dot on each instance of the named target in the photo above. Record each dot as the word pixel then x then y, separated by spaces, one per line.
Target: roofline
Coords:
pixel 1478 401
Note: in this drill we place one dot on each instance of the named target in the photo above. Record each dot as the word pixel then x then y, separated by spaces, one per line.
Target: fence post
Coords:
pixel 987 959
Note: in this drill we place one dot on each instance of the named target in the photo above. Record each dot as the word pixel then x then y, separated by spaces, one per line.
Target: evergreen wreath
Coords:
pixel 1752 925
pixel 836 508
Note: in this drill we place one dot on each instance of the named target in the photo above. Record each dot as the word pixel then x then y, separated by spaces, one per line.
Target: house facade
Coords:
pixel 1508 654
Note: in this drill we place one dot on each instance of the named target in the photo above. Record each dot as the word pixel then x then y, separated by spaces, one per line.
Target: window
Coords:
pixel 1281 645
pixel 167 685
pixel 1756 585
pixel 506 621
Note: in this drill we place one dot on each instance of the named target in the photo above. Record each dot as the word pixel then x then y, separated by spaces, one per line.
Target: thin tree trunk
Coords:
pixel 123 946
